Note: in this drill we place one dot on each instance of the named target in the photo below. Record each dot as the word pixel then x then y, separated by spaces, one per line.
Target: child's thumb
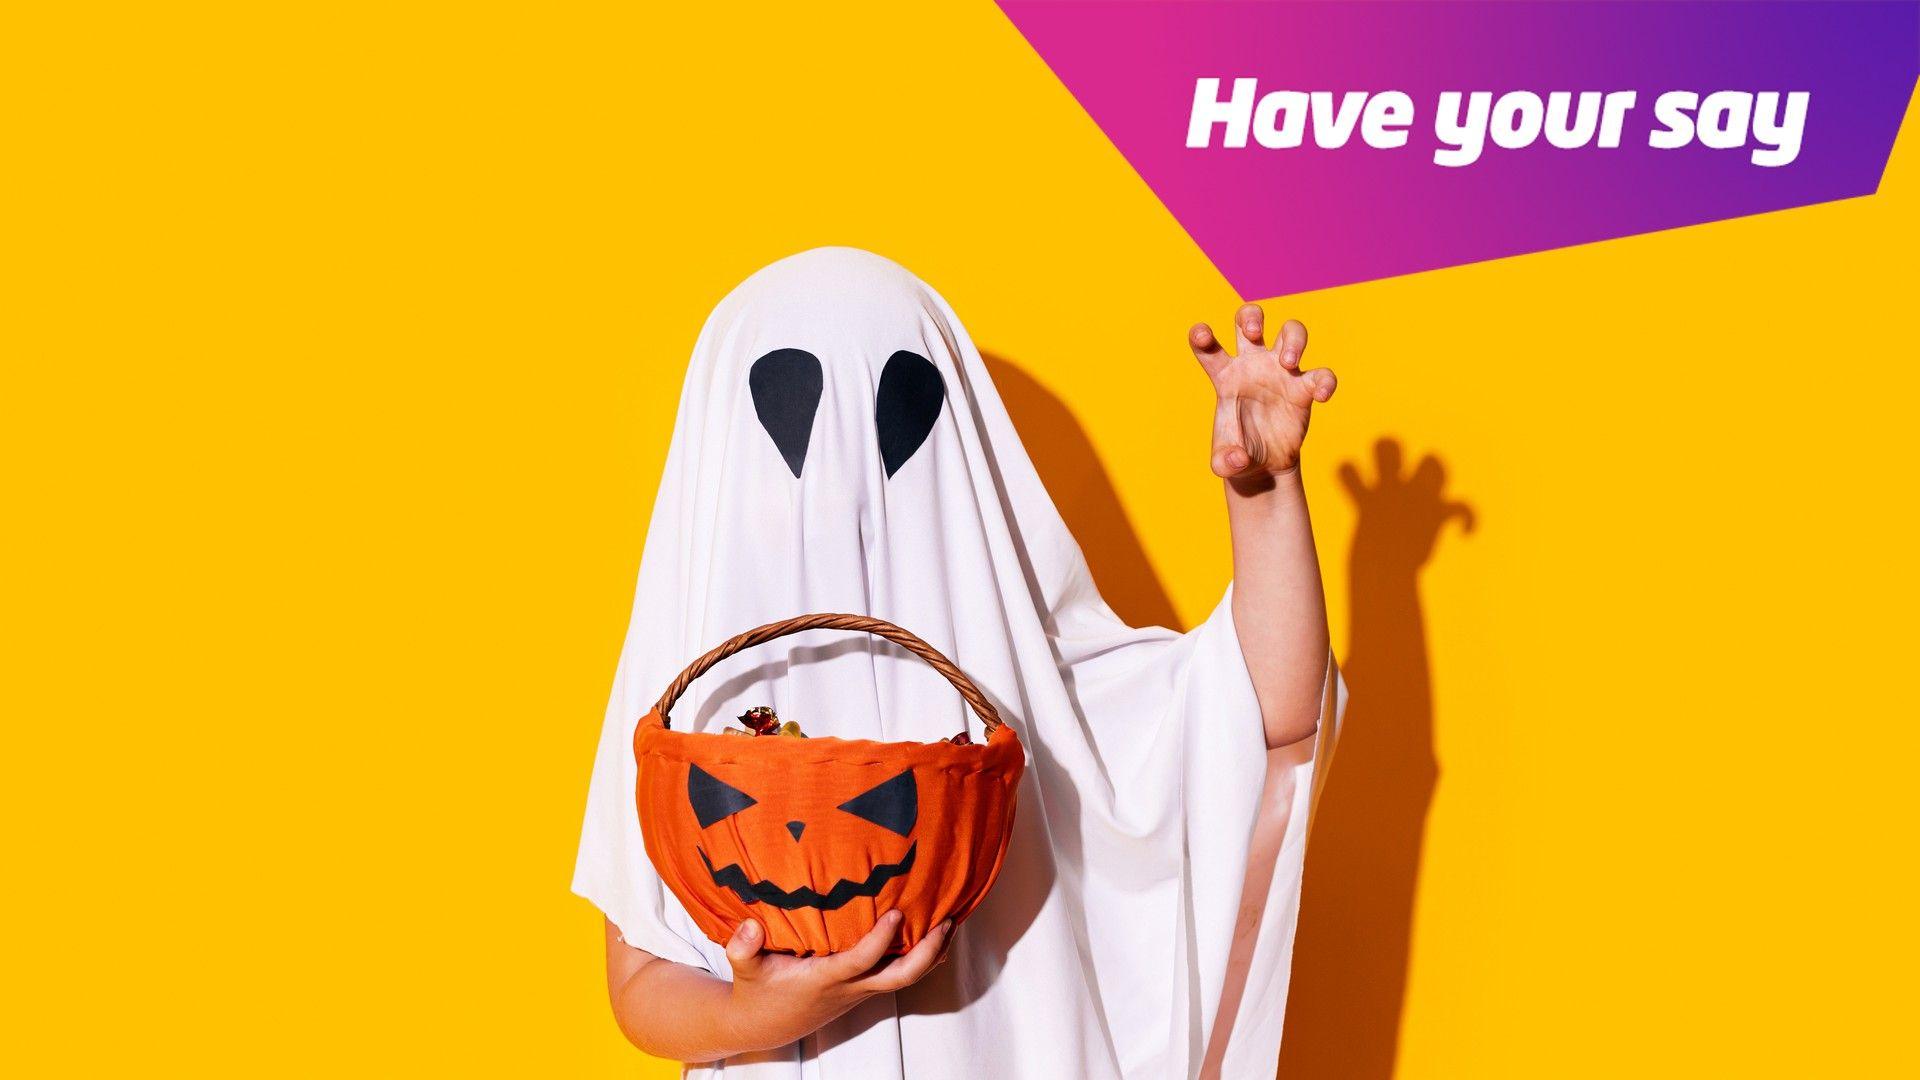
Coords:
pixel 743 950
pixel 1230 461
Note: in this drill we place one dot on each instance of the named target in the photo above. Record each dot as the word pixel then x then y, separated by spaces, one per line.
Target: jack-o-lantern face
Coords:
pixel 816 838
pixel 893 805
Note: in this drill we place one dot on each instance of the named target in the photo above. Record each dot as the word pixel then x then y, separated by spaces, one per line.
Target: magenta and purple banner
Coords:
pixel 1306 145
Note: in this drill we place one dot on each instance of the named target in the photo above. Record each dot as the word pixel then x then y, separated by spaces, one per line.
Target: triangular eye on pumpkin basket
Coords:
pixel 817 837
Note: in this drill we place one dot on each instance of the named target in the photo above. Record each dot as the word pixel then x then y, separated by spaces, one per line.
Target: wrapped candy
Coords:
pixel 761 720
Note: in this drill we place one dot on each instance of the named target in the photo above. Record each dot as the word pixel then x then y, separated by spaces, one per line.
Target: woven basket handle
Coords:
pixel 989 716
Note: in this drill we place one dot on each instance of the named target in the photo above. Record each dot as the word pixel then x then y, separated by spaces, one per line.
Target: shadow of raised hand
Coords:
pixel 1400 517
pixel 1363 859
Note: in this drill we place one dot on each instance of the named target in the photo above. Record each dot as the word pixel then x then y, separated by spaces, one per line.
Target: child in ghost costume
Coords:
pixel 839 447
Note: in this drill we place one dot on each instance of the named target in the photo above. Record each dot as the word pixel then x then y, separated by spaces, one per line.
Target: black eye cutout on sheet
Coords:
pixel 786 385
pixel 905 406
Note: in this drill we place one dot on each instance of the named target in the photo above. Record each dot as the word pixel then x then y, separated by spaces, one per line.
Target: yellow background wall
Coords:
pixel 341 350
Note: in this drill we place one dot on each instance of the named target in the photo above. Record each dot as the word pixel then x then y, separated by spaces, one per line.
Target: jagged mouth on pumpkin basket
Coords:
pixel 750 891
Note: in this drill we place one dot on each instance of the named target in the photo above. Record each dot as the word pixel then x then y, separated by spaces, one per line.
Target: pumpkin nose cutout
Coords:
pixel 796 828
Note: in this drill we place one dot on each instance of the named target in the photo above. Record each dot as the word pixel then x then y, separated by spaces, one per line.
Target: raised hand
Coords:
pixel 1263 399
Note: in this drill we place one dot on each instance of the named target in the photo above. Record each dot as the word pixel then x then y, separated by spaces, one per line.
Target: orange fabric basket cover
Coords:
pixel 817 837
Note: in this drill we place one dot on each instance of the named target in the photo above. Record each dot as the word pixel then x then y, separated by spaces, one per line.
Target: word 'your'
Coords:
pixel 1464 123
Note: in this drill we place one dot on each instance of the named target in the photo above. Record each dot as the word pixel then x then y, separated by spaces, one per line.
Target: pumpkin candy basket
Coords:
pixel 817 837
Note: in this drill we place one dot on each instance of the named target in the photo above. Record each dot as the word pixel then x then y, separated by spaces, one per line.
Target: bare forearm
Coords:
pixel 681 1013
pixel 1279 606
pixel 1263 401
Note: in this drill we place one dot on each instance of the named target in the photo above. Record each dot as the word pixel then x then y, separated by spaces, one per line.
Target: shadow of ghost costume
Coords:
pixel 839 447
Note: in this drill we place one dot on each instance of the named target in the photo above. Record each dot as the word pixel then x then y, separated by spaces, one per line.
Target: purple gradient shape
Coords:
pixel 1284 221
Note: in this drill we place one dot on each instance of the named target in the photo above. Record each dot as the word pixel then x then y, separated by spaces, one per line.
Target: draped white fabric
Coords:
pixel 1105 946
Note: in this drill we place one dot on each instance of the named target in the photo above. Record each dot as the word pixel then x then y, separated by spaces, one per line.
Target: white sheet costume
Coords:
pixel 839 447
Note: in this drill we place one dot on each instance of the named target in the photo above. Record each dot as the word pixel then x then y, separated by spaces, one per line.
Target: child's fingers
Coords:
pixel 1206 348
pixel 1250 321
pixel 1321 382
pixel 857 961
pixel 917 961
pixel 1293 344
pixel 1230 456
